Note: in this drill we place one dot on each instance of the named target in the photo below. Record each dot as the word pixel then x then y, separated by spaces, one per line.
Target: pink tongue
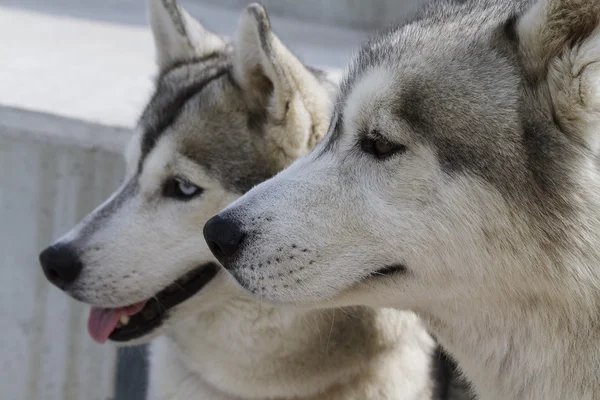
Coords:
pixel 103 321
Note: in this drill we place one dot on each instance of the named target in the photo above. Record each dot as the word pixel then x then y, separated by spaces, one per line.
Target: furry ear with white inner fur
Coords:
pixel 178 37
pixel 560 45
pixel 276 81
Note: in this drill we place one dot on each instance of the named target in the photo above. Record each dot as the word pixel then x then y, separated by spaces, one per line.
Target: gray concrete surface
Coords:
pixel 50 177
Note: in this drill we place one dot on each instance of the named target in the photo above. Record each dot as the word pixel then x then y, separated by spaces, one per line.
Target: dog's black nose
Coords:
pixel 61 265
pixel 224 236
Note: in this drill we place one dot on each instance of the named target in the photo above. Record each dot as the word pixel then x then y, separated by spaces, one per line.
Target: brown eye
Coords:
pixel 383 147
pixel 380 148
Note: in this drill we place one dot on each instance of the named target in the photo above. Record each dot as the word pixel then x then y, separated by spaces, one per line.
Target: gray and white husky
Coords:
pixel 224 118
pixel 460 179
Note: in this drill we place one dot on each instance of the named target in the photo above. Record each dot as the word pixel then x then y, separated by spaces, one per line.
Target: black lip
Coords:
pixel 157 309
pixel 390 270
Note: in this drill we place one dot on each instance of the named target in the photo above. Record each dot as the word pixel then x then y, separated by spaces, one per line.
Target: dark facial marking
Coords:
pixel 262 30
pixel 409 106
pixel 166 109
pixel 396 269
pixel 510 29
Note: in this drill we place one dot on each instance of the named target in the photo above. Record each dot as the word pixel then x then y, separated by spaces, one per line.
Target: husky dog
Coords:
pixel 460 179
pixel 224 118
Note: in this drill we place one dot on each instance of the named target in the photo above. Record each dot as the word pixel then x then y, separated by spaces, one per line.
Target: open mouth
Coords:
pixel 134 321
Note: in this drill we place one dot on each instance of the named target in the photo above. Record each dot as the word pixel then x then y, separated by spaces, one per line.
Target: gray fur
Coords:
pixel 219 144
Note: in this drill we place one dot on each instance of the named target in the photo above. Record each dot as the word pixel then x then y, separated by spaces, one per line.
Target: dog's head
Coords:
pixel 461 153
pixel 224 117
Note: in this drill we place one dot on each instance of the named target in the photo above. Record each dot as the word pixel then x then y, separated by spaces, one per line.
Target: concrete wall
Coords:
pixel 53 171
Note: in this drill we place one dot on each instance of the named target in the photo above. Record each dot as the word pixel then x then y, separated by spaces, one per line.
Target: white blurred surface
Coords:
pixel 101 71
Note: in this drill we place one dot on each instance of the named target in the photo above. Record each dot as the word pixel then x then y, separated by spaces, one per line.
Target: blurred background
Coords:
pixel 74 75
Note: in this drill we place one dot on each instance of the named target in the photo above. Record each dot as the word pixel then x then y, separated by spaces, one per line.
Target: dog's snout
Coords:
pixel 224 236
pixel 61 265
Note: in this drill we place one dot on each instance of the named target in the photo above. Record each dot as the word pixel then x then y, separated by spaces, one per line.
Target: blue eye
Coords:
pixel 181 190
pixel 186 189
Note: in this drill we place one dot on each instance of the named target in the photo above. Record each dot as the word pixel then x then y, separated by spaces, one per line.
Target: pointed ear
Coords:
pixel 559 43
pixel 259 59
pixel 177 36
pixel 278 84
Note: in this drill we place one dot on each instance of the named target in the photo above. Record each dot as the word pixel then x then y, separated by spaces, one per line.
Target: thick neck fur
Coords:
pixel 529 354
pixel 535 334
pixel 245 350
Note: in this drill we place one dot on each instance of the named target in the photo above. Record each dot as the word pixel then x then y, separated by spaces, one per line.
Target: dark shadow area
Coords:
pixel 131 381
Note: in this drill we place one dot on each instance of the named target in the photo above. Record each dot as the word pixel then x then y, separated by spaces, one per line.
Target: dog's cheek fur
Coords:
pixel 119 269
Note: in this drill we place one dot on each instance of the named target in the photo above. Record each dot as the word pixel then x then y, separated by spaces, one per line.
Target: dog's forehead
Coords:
pixel 202 109
pixel 449 34
pixel 457 87
pixel 367 98
pixel 175 88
